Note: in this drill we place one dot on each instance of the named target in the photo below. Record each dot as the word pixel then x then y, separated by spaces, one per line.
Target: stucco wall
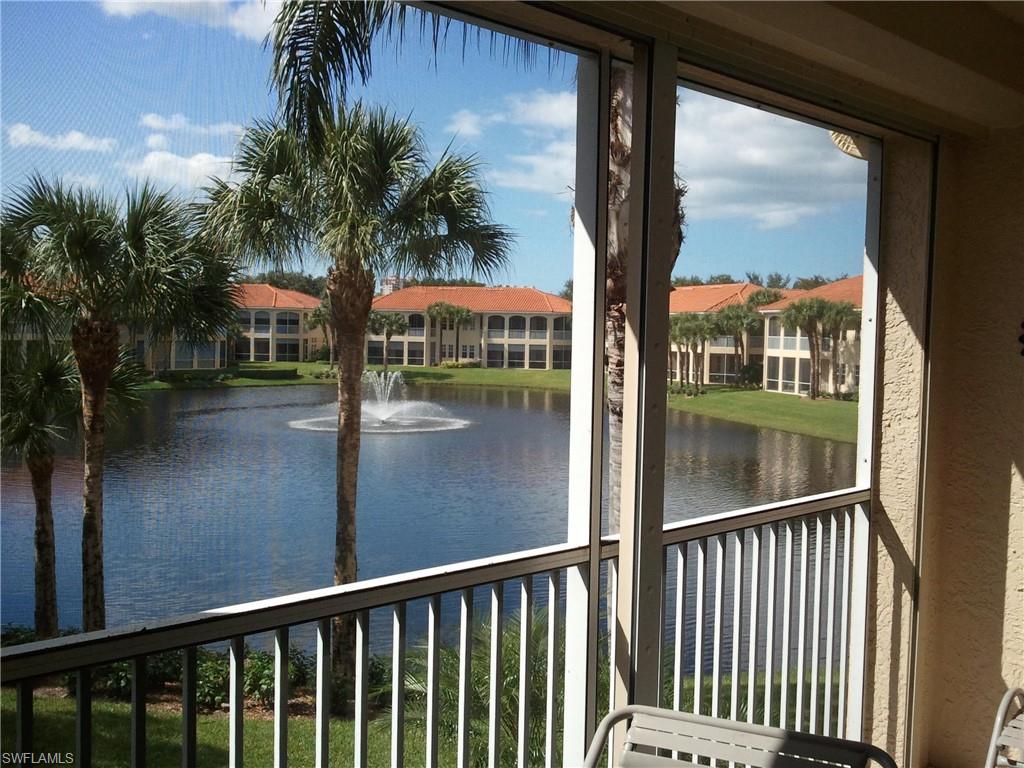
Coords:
pixel 972 592
pixel 904 246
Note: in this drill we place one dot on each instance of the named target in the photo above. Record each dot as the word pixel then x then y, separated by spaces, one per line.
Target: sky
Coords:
pixel 102 94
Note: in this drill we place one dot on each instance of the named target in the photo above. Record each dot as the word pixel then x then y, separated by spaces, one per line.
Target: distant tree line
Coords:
pixel 771 280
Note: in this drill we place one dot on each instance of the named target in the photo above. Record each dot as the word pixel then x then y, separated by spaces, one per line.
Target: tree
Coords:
pixel 807 315
pixel 443 313
pixel 566 292
pixel 776 280
pixel 839 316
pixel 443 281
pixel 320 318
pixel 816 281
pixel 736 320
pixel 293 281
pixel 105 265
pixel 760 298
pixel 682 281
pixel 366 201
pixel 755 278
pixel 387 324
pixel 677 335
pixel 721 279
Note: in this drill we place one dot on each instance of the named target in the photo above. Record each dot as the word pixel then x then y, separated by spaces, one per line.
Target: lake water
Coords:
pixel 212 499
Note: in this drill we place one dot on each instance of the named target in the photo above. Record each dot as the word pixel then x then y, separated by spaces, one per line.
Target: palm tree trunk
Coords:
pixel 41 470
pixel 387 343
pixel 615 336
pixel 95 344
pixel 351 294
pixel 835 367
pixel 457 329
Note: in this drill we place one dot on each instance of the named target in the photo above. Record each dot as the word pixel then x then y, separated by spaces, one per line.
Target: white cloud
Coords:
pixel 250 19
pixel 156 141
pixel 744 163
pixel 543 109
pixel 186 172
pixel 24 135
pixel 90 180
pixel 179 123
pixel 466 123
pixel 550 170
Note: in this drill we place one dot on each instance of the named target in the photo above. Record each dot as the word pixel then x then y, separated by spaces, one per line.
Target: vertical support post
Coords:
pixel 398 686
pixel 26 715
pixel 83 718
pixel 323 693
pixel 496 676
pixel 586 424
pixel 433 677
pixel 525 669
pixel 650 257
pixel 465 677
pixel 189 715
pixel 360 756
pixel 138 727
pixel 236 698
pixel 554 630
pixel 281 698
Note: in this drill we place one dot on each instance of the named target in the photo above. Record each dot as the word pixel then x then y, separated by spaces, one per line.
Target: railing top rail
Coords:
pixel 76 651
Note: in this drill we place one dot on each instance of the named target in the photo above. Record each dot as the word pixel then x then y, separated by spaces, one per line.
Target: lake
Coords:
pixel 212 498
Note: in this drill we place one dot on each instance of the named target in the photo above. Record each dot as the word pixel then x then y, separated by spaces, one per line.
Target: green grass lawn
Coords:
pixel 832 419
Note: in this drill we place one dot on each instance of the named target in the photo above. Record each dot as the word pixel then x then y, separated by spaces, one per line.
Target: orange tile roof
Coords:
pixel 709 298
pixel 473 298
pixel 264 295
pixel 849 289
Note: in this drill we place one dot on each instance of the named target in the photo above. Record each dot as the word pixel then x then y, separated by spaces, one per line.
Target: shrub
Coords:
pixel 213 676
pixel 460 364
pixel 751 375
pixel 324 353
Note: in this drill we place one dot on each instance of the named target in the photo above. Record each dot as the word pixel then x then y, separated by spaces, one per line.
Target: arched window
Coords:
pixel 261 322
pixel 517 327
pixel 495 327
pixel 416 325
pixel 288 323
pixel 562 327
pixel 774 326
pixel 538 328
pixel 244 320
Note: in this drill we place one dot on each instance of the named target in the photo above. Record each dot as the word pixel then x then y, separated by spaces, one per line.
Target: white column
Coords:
pixel 586 424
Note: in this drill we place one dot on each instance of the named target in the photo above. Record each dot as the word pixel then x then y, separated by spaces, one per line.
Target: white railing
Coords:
pixel 774 342
pixel 414 332
pixel 561 335
pixel 495 333
pixel 538 334
pixel 517 333
pixel 713 620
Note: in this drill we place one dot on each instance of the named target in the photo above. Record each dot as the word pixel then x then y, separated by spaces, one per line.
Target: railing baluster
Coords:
pixel 554 668
pixel 816 626
pixel 830 623
pixel 83 718
pixel 25 706
pixel 787 620
pixel 138 727
pixel 801 662
pixel 525 668
pixel 716 664
pixel 496 677
pixel 769 633
pixel 189 717
pixel 698 624
pixel 360 756
pixel 755 577
pixel 323 693
pixel 844 622
pixel 236 700
pixel 465 673
pixel 612 611
pixel 281 698
pixel 737 619
pixel 680 635
pixel 433 677
pixel 398 685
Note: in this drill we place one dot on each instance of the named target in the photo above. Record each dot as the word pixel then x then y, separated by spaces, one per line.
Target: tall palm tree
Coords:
pixel 443 313
pixel 387 324
pixel 320 318
pixel 839 317
pixel 736 320
pixel 103 265
pixel 42 403
pixel 807 315
pixel 439 313
pixel 368 202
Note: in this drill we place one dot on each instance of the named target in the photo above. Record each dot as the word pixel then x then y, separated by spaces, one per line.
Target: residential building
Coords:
pixel 273 325
pixel 511 327
pixel 787 362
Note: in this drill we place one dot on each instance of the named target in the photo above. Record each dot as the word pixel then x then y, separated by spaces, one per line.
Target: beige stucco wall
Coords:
pixel 904 246
pixel 972 593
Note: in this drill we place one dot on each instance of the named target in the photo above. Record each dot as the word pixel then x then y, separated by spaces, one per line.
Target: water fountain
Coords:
pixel 387 410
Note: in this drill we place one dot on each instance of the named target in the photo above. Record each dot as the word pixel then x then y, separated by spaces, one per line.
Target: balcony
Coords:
pixel 718 635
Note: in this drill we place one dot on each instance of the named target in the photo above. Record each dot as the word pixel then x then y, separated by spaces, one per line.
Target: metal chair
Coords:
pixel 1008 731
pixel 665 738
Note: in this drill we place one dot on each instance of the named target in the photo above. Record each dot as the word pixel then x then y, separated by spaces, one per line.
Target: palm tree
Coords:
pixel 807 315
pixel 387 324
pixel 839 317
pixel 736 320
pixel 367 202
pixel 102 266
pixel 42 403
pixel 441 312
pixel 320 318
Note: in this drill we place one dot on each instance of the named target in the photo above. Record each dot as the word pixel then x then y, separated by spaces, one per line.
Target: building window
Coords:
pixel 538 327
pixel 538 357
pixel 842 374
pixel 562 329
pixel 469 351
pixel 789 374
pixel 261 322
pixel 182 354
pixel 415 353
pixel 206 354
pixel 242 348
pixel 396 353
pixel 416 325
pixel 856 376
pixel 495 356
pixel 261 350
pixel 516 356
pixel 772 380
pixel 287 351
pixel 721 369
pixel 805 376
pixel 288 323
pixel 495 328
pixel 561 358
pixel 140 352
pixel 375 353
pixel 244 320
pixel 774 326
pixel 517 327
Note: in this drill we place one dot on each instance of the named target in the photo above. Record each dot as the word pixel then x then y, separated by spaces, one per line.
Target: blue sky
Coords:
pixel 103 93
